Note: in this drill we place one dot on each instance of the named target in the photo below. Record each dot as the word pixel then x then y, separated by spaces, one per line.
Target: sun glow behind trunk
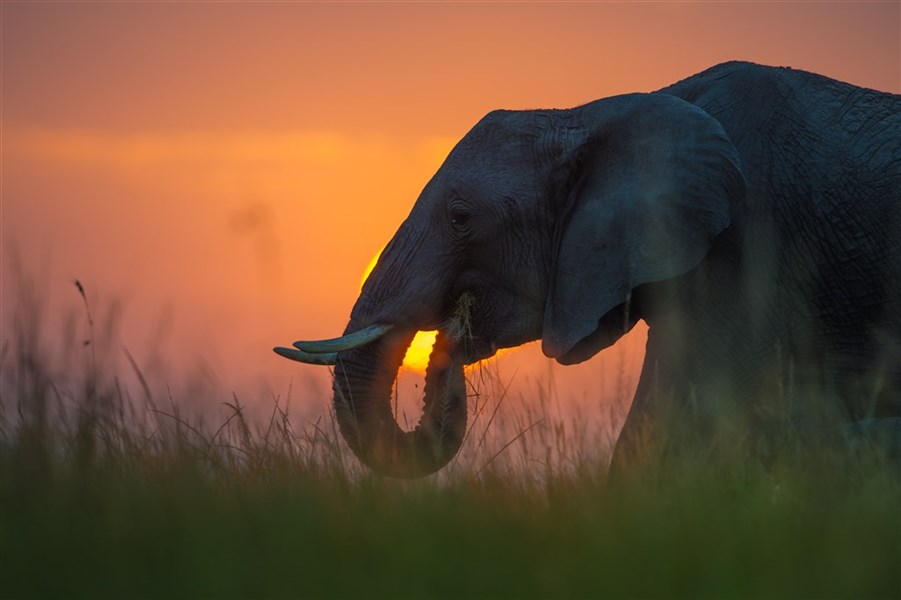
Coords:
pixel 417 356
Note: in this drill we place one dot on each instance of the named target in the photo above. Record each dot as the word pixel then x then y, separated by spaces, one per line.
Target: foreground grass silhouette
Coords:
pixel 106 493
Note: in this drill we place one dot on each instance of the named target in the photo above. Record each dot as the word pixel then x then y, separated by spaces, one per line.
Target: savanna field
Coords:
pixel 112 490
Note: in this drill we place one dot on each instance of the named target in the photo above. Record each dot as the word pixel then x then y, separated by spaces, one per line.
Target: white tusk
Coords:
pixel 305 357
pixel 345 342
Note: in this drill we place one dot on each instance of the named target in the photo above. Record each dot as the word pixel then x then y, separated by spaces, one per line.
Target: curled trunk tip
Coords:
pixel 362 386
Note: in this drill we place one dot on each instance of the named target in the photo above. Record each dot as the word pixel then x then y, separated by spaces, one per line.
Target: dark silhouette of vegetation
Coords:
pixel 109 494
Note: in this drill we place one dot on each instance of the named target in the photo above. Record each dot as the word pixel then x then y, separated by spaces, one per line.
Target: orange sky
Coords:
pixel 226 171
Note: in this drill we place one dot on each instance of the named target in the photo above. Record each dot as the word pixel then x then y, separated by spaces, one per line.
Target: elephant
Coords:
pixel 750 215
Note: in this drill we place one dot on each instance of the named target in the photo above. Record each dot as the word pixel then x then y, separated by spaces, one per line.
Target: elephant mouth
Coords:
pixel 468 346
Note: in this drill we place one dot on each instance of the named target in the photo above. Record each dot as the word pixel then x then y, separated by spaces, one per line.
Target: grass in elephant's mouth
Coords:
pixel 103 495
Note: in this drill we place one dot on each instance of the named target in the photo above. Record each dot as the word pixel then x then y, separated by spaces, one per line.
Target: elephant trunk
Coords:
pixel 362 388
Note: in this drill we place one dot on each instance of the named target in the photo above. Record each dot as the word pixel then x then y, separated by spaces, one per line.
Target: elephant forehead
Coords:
pixel 501 134
pixel 494 182
pixel 496 161
pixel 501 164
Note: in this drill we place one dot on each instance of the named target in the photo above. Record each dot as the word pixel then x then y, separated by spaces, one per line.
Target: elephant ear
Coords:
pixel 652 179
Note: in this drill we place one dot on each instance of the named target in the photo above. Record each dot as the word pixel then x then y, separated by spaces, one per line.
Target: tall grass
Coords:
pixel 107 491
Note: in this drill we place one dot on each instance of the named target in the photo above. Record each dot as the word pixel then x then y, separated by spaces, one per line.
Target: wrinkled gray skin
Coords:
pixel 750 215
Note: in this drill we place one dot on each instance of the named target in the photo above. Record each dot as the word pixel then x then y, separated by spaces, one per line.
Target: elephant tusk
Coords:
pixel 322 358
pixel 345 342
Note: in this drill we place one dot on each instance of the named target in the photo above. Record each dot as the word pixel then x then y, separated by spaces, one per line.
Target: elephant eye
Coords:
pixel 460 217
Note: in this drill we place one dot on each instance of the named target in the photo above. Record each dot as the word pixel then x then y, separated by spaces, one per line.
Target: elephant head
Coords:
pixel 539 225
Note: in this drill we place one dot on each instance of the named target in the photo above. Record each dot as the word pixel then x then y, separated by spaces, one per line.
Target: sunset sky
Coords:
pixel 224 172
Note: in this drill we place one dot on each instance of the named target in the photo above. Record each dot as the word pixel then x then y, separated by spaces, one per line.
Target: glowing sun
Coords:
pixel 417 357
